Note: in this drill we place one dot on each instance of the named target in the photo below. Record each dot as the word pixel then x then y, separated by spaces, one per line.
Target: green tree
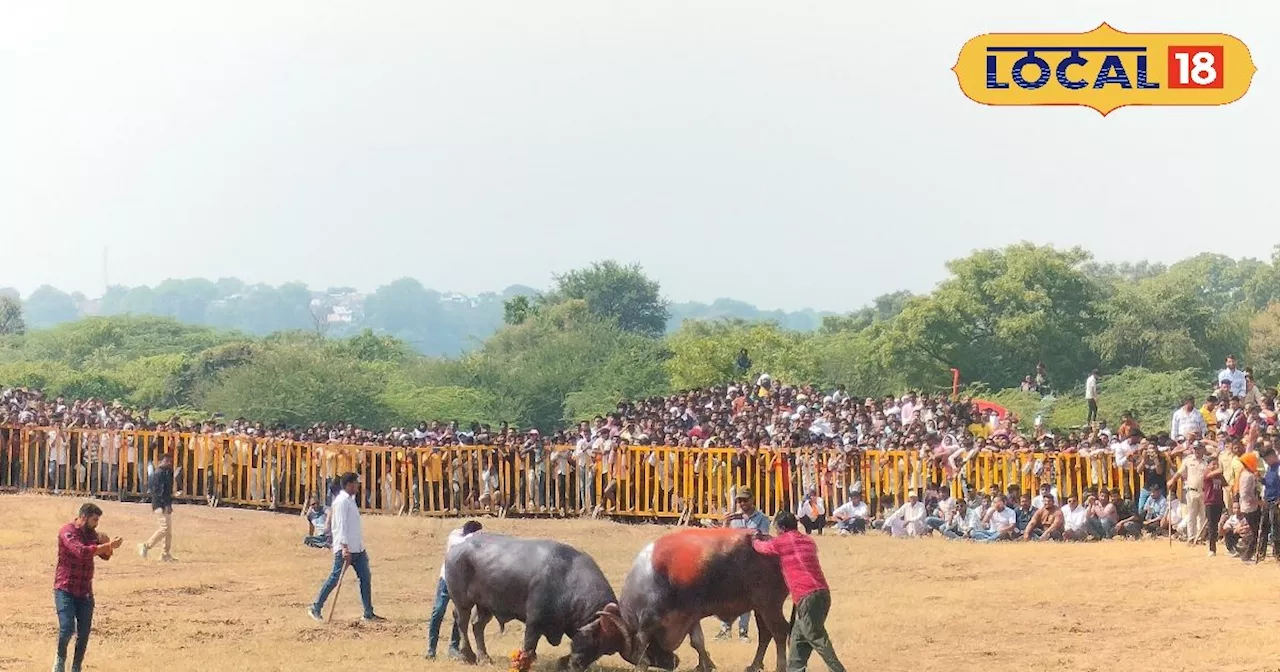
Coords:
pixel 999 314
pixel 297 386
pixel 517 309
pixel 1168 322
pixel 1264 344
pixel 704 353
pixel 615 292
pixel 11 322
pixel 49 306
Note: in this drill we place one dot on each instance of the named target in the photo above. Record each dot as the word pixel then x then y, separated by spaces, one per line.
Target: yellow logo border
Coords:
pixel 1103 27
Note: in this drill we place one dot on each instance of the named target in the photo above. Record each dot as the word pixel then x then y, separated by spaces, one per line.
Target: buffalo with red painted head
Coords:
pixel 686 576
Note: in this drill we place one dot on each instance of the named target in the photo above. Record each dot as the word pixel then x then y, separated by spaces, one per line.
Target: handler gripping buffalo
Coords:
pixel 810 594
pixel 554 589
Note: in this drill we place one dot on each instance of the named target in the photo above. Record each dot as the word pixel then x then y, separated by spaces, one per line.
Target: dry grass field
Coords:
pixel 236 598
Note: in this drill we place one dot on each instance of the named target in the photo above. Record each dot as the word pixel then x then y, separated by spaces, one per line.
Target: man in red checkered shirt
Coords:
pixel 810 594
pixel 78 544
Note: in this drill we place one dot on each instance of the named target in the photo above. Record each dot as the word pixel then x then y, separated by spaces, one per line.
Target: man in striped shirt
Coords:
pixel 798 555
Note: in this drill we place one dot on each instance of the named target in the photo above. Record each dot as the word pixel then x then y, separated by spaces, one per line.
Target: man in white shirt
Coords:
pixel 1075 520
pixel 442 595
pixel 851 517
pixel 1091 395
pixel 812 513
pixel 348 549
pixel 1234 376
pixel 1001 523
pixel 1187 419
pixel 908 520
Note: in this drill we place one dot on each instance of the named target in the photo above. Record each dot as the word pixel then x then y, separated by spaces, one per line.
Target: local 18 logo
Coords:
pixel 1104 69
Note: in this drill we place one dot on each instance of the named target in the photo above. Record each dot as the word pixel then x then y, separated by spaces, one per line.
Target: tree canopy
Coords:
pixel 605 333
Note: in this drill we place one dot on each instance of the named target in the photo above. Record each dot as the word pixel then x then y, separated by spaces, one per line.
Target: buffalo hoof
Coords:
pixel 468 657
pixel 485 660
pixel 754 668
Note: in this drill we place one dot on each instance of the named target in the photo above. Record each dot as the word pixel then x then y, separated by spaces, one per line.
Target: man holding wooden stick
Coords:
pixel 348 549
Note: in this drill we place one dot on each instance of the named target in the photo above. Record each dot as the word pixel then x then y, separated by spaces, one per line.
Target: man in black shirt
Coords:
pixel 160 488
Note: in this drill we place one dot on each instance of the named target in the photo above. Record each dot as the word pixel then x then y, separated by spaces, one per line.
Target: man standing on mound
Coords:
pixel 348 549
pixel 798 555
pixel 78 544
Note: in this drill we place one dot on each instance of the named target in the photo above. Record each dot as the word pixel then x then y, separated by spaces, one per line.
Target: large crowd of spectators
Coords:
pixel 809 446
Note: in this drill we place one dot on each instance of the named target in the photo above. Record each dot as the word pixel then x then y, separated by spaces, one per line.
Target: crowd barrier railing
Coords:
pixel 637 482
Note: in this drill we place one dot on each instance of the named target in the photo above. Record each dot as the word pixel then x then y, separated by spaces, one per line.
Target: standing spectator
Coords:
pixel 743 362
pixel 1152 466
pixel 1233 376
pixel 1271 505
pixel 442 595
pixel 1193 470
pixel 813 512
pixel 746 517
pixel 348 549
pixel 160 489
pixel 1187 420
pixel 78 544
pixel 1091 395
pixel 1213 502
pixel 1250 507
pixel 810 594
pixel 1252 394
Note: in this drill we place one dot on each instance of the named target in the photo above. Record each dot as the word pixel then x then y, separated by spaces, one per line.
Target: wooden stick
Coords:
pixel 338 591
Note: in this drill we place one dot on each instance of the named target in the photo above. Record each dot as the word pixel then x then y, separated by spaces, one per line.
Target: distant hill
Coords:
pixel 435 323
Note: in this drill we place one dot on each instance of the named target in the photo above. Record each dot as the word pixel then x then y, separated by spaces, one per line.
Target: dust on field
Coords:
pixel 236 599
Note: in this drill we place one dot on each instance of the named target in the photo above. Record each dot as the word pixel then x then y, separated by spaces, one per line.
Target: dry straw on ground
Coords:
pixel 236 599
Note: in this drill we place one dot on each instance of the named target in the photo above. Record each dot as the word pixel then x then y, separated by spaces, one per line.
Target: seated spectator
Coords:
pixel 319 534
pixel 812 513
pixel 908 520
pixel 1232 529
pixel 963 522
pixel 1153 518
pixel 941 510
pixel 1102 515
pixel 1128 523
pixel 851 517
pixel 1075 517
pixel 1024 513
pixel 1000 523
pixel 1046 524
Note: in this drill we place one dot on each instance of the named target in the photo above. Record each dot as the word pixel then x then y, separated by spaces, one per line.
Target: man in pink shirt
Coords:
pixel 798 555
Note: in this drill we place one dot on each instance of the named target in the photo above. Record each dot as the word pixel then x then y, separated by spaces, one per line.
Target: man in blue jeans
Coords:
pixel 348 549
pixel 78 544
pixel 442 595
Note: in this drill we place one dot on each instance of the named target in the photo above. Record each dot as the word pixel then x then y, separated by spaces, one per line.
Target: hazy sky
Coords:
pixel 759 150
